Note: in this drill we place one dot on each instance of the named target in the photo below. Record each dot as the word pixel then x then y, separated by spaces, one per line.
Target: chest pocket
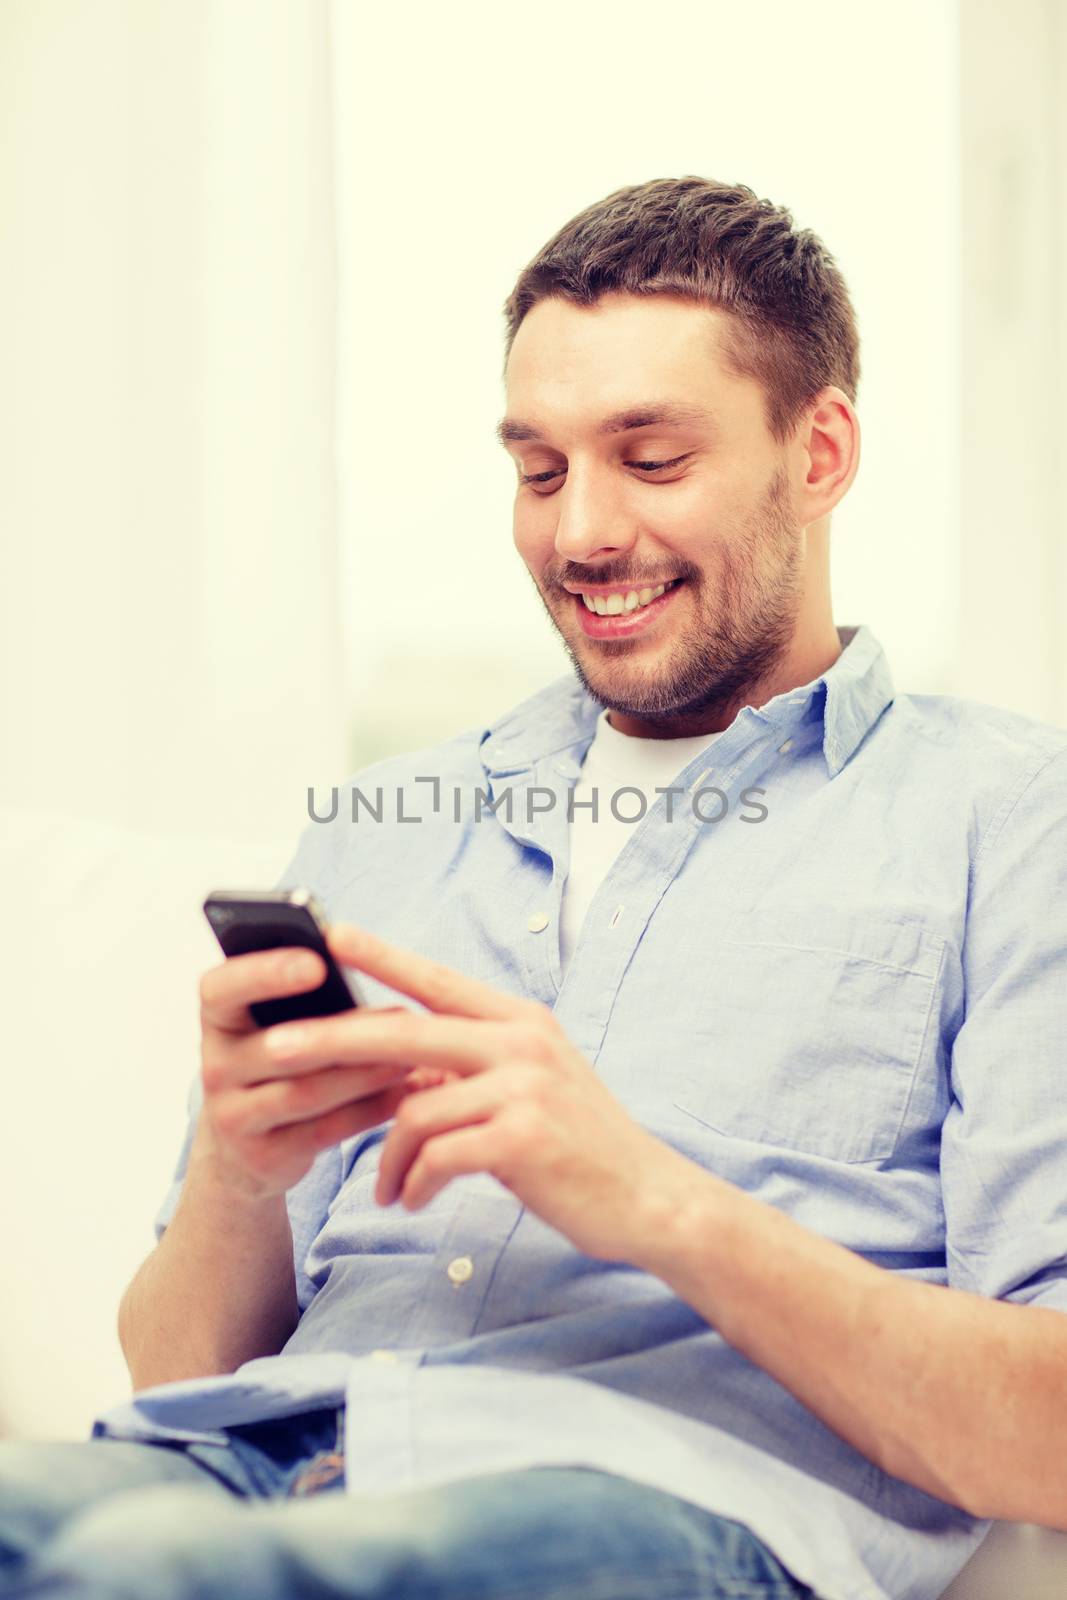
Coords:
pixel 812 1030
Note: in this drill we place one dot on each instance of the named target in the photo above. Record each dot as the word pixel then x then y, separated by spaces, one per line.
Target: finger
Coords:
pixel 438 987
pixel 246 1059
pixel 307 1098
pixel 300 1139
pixel 448 1156
pixel 430 1077
pixel 433 1112
pixel 226 990
pixel 369 1034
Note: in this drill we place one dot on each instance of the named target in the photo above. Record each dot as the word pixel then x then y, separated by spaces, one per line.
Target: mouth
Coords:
pixel 624 612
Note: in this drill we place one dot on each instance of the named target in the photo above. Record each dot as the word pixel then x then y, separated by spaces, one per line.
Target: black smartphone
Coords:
pixel 272 919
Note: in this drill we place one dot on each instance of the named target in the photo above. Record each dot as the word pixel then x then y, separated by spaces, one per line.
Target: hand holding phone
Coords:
pixel 263 1123
pixel 244 920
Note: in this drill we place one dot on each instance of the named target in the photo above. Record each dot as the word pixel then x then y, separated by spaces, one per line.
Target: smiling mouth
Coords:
pixel 623 601
pixel 624 614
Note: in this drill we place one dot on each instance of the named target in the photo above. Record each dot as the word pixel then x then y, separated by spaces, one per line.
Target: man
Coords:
pixel 701 1229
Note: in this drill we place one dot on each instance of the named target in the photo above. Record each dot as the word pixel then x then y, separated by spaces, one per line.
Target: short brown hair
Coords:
pixel 792 326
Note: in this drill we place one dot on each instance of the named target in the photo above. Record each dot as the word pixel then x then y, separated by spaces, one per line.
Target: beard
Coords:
pixel 732 641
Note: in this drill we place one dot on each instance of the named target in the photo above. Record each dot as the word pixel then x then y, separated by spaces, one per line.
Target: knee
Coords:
pixel 452 1540
pixel 136 1537
pixel 32 1495
pixel 174 1541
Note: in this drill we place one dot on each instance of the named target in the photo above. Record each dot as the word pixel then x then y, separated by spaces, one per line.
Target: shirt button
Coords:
pixel 782 748
pixel 461 1269
pixel 384 1355
pixel 538 922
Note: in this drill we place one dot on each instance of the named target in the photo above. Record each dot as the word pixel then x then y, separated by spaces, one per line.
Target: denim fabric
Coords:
pixel 42 1483
pixel 103 1519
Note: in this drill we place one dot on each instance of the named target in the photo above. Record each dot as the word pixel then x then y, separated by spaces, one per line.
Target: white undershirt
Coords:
pixel 613 761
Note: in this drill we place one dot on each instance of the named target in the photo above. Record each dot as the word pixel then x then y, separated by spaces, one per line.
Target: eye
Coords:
pixel 654 466
pixel 642 466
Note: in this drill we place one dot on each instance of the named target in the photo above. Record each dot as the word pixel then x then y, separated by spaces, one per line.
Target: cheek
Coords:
pixel 698 526
pixel 533 536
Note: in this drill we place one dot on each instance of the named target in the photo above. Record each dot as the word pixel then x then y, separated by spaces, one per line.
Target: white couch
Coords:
pixel 103 947
pixel 1014 1562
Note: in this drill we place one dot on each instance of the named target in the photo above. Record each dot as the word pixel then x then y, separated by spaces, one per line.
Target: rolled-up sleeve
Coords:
pixel 1004 1139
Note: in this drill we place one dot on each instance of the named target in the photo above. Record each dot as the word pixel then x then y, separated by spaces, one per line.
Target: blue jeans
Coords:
pixel 266 1517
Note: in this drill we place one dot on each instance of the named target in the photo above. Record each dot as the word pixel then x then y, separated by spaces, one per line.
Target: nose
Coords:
pixel 590 522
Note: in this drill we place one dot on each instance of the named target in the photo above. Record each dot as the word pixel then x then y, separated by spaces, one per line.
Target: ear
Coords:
pixel 830 440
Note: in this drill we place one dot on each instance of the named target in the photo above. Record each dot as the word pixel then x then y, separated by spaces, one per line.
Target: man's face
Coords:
pixel 591 515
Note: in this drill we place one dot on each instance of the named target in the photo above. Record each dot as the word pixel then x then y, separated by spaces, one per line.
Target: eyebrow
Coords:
pixel 669 414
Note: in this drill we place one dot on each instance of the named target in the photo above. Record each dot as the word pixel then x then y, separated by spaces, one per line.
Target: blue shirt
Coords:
pixel 853 1007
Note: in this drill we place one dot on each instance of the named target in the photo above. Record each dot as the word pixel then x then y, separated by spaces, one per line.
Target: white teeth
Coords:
pixel 612 605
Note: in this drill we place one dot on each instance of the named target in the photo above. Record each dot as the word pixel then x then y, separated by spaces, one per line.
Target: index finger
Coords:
pixel 438 987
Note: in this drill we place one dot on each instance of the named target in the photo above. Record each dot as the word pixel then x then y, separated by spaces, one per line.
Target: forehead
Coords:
pixel 577 365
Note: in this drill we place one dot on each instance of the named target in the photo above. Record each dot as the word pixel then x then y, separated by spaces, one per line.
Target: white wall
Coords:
pixel 1012 397
pixel 170 649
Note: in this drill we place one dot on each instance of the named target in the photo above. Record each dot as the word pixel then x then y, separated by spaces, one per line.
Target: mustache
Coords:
pixel 621 581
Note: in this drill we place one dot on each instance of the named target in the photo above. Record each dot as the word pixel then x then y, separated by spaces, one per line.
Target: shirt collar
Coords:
pixel 849 697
